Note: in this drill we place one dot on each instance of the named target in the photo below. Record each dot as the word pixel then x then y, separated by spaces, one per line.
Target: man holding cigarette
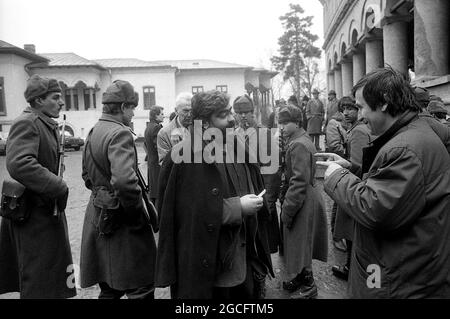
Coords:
pixel 216 245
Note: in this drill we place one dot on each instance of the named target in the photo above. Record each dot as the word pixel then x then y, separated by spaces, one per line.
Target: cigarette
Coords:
pixel 262 193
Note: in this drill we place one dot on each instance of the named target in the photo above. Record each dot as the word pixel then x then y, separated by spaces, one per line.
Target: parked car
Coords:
pixel 73 142
pixel 2 146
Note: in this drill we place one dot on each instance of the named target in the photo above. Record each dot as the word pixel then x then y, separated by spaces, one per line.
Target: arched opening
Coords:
pixel 343 50
pixel 354 38
pixel 80 97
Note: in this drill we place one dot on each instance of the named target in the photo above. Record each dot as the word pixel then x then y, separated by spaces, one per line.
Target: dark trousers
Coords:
pixel 273 184
pixel 143 293
pixel 333 219
pixel 252 288
pixel 316 140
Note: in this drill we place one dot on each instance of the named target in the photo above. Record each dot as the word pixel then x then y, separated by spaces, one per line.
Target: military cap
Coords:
pixel 120 92
pixel 332 92
pixel 436 98
pixel 422 95
pixel 315 92
pixel 38 86
pixel 290 114
pixel 436 107
pixel 243 104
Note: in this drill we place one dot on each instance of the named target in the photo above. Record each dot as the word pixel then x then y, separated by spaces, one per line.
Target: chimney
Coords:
pixel 30 48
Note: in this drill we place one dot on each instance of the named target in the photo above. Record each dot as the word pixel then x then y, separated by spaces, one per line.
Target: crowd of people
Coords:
pixel 387 169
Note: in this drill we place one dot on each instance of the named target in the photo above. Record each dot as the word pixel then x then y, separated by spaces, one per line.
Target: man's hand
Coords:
pixel 334 162
pixel 333 158
pixel 250 204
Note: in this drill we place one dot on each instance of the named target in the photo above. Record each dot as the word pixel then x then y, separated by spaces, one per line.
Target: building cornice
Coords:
pixel 338 21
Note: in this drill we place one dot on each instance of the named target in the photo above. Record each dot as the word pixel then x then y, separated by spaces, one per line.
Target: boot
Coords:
pixel 340 272
pixel 295 283
pixel 308 290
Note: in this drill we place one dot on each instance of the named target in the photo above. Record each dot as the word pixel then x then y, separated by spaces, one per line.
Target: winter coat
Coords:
pixel 315 113
pixel 35 256
pixel 305 234
pixel 126 258
pixel 151 134
pixel 401 208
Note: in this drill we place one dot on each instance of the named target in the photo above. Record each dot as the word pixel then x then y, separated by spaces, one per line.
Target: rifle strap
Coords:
pixel 96 164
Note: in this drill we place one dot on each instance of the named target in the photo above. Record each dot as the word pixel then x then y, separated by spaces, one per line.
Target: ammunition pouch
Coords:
pixel 13 202
pixel 108 211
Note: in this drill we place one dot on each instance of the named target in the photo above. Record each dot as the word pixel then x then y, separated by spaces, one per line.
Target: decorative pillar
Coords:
pixel 374 54
pixel 331 81
pixel 91 99
pixel 359 65
pixel 395 39
pixel 347 77
pixel 338 81
pixel 431 41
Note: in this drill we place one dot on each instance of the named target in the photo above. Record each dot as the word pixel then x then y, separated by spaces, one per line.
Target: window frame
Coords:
pixel 197 87
pixel 149 87
pixel 3 111
pixel 219 88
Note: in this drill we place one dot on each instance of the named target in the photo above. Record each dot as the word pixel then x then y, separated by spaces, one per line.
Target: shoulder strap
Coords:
pixel 98 166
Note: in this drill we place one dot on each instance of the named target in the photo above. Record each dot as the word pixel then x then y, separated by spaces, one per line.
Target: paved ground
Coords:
pixel 329 287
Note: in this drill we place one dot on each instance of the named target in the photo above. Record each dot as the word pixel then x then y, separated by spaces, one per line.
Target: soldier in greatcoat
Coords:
pixel 118 248
pixel 305 234
pixel 35 255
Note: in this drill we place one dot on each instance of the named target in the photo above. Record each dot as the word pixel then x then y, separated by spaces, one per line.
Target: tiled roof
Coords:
pixel 9 48
pixel 203 64
pixel 129 63
pixel 67 59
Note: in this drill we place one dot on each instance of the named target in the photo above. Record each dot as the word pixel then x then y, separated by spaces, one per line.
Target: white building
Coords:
pixel 158 83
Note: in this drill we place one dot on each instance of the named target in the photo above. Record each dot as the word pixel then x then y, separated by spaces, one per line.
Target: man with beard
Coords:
pixel 401 204
pixel 213 226
pixel 178 128
pixel 118 249
pixel 35 250
pixel 151 134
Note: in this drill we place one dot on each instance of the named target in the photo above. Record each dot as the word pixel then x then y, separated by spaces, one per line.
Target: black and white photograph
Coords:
pixel 230 154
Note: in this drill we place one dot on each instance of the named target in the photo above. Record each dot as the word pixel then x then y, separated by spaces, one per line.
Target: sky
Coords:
pixel 237 31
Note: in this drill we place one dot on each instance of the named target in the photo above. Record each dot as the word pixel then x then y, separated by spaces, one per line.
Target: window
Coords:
pixel 222 88
pixel 89 96
pixel 71 99
pixel 197 89
pixel 67 99
pixel 2 97
pixel 149 97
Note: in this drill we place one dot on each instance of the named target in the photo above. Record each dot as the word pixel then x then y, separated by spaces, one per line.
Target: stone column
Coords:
pixel 347 77
pixel 395 40
pixel 431 41
pixel 338 81
pixel 331 85
pixel 72 100
pixel 91 99
pixel 374 54
pixel 359 66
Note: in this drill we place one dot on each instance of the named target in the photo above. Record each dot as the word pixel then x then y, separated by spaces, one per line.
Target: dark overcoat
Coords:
pixel 125 259
pixel 35 256
pixel 305 235
pixel 190 200
pixel 151 135
pixel 401 208
pixel 315 113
